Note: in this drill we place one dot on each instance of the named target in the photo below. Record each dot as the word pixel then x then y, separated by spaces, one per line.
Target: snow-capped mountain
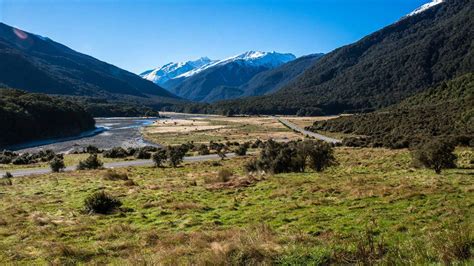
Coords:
pixel 172 74
pixel 171 70
pixel 425 7
pixel 251 58
pixel 220 79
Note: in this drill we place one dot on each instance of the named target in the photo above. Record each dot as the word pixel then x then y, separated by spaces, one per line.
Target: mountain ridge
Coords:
pixel 39 64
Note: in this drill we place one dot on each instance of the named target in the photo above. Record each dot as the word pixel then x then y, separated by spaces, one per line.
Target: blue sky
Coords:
pixel 141 34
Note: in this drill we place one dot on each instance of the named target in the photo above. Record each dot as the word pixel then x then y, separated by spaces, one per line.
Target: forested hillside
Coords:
pixel 381 69
pixel 32 116
pixel 445 111
pixel 37 64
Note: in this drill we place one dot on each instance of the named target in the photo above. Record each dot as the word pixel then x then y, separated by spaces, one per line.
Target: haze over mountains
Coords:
pixel 210 80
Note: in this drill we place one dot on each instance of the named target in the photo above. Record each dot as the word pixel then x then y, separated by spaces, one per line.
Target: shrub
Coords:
pixel 241 150
pixel 321 155
pixel 91 149
pixel 8 175
pixel 291 157
pixel 92 162
pixel 142 154
pixel 175 155
pixel 436 155
pixel 116 152
pixel 23 159
pixel 203 149
pixel 43 156
pixel 5 159
pixel 101 202
pixel 159 157
pixel 113 175
pixel 57 164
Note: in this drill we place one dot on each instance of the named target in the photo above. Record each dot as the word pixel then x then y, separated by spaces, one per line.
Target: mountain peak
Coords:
pixel 171 70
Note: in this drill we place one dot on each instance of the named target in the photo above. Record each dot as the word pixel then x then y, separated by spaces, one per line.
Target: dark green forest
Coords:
pixel 32 116
pixel 445 111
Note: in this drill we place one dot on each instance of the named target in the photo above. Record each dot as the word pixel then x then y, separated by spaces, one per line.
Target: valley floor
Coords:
pixel 374 207
pixel 203 129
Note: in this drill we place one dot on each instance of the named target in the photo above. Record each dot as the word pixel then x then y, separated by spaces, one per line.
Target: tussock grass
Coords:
pixel 373 208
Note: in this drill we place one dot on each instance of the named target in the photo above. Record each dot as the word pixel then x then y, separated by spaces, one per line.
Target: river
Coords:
pixel 110 132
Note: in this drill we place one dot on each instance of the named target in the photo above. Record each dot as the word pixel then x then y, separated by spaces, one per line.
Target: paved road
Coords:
pixel 306 132
pixel 40 171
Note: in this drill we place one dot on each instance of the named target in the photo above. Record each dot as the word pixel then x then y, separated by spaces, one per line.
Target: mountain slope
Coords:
pixel 200 84
pixel 273 79
pixel 381 69
pixel 446 110
pixel 38 64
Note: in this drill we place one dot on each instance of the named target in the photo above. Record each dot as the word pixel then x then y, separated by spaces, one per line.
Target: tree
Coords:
pixel 175 155
pixel 57 164
pixel 241 150
pixel 92 162
pixel 436 155
pixel 159 157
pixel 321 155
pixel 203 149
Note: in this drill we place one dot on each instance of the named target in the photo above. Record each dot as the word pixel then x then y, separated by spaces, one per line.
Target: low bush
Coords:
pixel 142 154
pixel 101 202
pixel 116 152
pixel 292 157
pixel 57 164
pixel 175 155
pixel 92 162
pixel 91 149
pixel 5 159
pixel 159 157
pixel 203 149
pixel 113 175
pixel 23 159
pixel 8 175
pixel 241 150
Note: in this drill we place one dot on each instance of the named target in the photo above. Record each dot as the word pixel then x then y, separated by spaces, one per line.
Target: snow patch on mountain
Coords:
pixel 250 58
pixel 171 70
pixel 425 7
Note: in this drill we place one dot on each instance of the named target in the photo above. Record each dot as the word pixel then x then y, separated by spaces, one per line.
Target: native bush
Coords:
pixel 92 162
pixel 101 202
pixel 159 157
pixel 57 164
pixel 175 155
pixel 116 152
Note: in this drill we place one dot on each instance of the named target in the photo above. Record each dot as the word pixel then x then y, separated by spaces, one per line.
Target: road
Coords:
pixel 306 132
pixel 41 171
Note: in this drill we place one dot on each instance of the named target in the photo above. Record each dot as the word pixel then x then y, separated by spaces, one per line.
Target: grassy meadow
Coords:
pixel 373 207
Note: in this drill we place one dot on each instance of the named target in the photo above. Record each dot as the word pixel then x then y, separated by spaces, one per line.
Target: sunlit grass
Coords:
pixel 178 215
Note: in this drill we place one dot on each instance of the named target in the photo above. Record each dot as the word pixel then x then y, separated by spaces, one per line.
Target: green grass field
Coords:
pixel 374 207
